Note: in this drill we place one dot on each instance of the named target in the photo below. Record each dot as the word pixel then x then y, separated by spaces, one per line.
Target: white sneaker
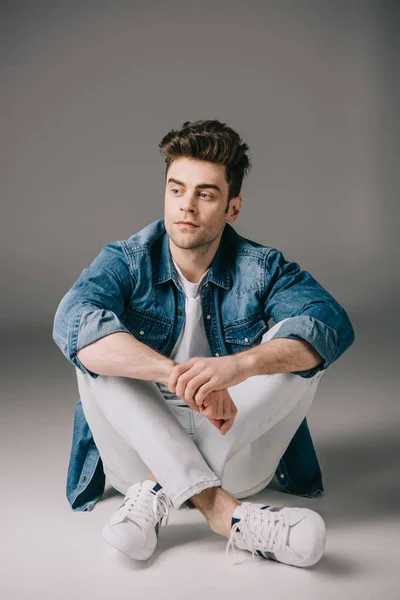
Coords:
pixel 294 536
pixel 134 527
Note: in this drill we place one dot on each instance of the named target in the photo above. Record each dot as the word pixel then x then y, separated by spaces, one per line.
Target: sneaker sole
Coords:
pixel 123 545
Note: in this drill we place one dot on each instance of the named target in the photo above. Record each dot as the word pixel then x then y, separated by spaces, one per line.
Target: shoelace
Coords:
pixel 139 507
pixel 260 530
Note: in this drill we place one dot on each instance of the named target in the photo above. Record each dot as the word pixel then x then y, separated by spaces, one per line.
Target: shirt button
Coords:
pixel 179 312
pixel 208 316
pixel 216 354
pixel 246 339
pixel 281 476
pixel 83 478
pixel 141 332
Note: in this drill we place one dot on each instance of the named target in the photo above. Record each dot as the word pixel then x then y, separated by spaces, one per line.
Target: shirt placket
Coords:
pixel 210 324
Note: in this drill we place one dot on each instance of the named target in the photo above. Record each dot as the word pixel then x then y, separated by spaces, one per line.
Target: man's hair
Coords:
pixel 212 141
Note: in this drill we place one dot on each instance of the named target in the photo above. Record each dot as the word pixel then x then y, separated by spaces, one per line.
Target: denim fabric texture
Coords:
pixel 132 286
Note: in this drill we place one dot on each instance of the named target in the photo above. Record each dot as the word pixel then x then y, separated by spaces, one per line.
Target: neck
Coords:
pixel 194 262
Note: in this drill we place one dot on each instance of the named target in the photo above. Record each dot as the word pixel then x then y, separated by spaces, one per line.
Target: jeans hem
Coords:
pixel 190 491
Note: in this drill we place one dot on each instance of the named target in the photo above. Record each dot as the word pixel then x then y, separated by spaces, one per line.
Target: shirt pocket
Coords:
pixel 245 333
pixel 148 327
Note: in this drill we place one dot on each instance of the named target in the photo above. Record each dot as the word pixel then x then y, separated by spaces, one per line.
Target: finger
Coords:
pixel 204 390
pixel 184 378
pixel 213 412
pixel 227 412
pixel 210 414
pixel 207 411
pixel 207 400
pixel 227 425
pixel 176 372
pixel 216 413
pixel 192 388
pixel 182 382
pixel 193 405
pixel 224 409
pixel 216 422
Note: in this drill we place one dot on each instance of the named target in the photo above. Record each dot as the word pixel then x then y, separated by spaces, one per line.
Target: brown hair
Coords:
pixel 212 141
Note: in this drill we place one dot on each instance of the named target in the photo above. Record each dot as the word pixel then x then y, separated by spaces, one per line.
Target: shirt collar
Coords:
pixel 219 273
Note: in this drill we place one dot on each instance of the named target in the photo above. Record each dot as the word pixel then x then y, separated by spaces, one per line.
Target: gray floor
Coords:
pixel 50 551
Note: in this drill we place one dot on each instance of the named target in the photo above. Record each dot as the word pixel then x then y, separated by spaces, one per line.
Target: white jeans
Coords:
pixel 136 431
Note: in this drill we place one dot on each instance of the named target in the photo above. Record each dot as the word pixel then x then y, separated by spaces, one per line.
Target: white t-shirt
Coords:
pixel 192 340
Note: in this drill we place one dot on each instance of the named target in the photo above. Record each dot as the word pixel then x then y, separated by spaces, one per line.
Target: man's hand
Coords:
pixel 194 379
pixel 221 411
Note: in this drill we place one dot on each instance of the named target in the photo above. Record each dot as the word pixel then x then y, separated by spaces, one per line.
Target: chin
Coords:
pixel 184 244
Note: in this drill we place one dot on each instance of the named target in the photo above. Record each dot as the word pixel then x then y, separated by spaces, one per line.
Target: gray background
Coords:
pixel 88 91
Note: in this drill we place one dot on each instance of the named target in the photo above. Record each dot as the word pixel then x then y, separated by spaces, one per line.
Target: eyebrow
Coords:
pixel 200 186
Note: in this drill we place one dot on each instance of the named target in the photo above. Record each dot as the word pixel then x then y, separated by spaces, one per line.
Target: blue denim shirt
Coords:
pixel 132 286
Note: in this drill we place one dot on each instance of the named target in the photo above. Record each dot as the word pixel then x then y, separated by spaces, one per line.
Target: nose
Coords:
pixel 189 204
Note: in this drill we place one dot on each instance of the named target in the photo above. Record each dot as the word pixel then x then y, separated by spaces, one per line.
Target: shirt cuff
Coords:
pixel 323 338
pixel 88 327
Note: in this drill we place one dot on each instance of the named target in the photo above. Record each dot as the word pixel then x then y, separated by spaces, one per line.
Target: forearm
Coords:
pixel 279 356
pixel 121 354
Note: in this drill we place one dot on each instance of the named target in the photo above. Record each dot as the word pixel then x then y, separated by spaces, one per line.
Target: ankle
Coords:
pixel 217 505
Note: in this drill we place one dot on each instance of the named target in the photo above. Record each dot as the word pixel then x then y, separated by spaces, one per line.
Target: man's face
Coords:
pixel 196 191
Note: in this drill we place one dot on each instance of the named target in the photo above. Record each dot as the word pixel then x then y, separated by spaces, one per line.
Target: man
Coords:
pixel 185 393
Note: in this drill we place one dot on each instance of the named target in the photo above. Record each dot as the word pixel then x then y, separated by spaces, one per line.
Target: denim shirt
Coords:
pixel 132 286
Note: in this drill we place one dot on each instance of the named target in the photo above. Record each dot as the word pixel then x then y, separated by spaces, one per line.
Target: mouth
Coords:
pixel 186 224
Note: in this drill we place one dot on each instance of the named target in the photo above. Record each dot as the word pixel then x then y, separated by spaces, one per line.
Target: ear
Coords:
pixel 234 209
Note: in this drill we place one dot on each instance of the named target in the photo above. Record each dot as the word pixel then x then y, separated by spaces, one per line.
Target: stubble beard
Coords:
pixel 204 242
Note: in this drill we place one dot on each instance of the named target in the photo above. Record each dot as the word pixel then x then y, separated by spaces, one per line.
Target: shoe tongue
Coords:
pixel 238 513
pixel 147 484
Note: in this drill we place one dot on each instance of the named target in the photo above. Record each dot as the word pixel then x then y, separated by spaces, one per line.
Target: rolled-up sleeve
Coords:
pixel 312 314
pixel 94 306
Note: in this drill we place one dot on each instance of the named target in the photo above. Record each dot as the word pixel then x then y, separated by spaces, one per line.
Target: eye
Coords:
pixel 208 195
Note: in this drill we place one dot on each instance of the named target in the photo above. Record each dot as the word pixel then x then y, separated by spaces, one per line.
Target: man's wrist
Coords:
pixel 166 371
pixel 246 363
